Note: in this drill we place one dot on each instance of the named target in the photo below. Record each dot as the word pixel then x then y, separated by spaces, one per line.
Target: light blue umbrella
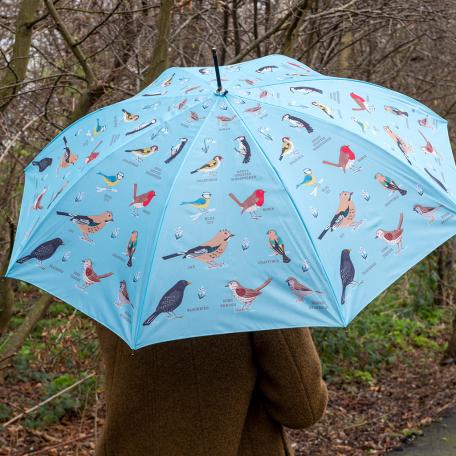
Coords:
pixel 285 199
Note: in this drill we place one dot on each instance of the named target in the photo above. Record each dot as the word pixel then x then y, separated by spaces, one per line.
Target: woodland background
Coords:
pixel 391 372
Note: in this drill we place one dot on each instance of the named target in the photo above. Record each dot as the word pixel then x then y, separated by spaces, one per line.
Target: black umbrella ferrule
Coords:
pixel 220 90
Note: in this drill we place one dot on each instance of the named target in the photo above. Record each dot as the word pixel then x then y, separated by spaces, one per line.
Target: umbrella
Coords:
pixel 270 197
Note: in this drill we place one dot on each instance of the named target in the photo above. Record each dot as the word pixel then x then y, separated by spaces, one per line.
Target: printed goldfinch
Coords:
pixel 287 147
pixel 210 166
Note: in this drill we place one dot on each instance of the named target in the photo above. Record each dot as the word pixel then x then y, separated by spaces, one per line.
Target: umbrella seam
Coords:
pixel 412 169
pixel 160 224
pixel 338 306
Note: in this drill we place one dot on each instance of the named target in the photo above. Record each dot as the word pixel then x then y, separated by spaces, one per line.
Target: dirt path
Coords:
pixel 438 439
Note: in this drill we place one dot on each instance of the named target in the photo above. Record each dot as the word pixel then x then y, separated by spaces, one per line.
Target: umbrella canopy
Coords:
pixel 286 199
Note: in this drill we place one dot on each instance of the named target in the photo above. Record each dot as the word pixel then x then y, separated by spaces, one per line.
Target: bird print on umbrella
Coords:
pixel 344 216
pixel 122 297
pixel 89 276
pixel 176 150
pixel 393 237
pixel 398 112
pixel 89 224
pixel 277 246
pixel 361 102
pixel 287 147
pixel 244 295
pixel 43 252
pixel 428 148
pixel 201 204
pixel 129 117
pixel 42 164
pixel 169 302
pixel 326 109
pixel 305 90
pixel 428 212
pixel 225 120
pixel 251 204
pixel 389 184
pixel 131 247
pixel 208 252
pixel 141 201
pixel 143 152
pixel 243 149
pixel 37 203
pixel 68 157
pixel 309 180
pixel 110 180
pixel 405 148
pixel 296 122
pixel 300 290
pixel 436 180
pixel 346 160
pixel 211 165
pixel 347 272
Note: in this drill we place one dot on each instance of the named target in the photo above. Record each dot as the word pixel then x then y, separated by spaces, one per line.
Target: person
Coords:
pixel 224 395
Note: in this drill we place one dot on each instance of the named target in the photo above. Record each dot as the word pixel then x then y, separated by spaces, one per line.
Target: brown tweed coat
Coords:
pixel 225 395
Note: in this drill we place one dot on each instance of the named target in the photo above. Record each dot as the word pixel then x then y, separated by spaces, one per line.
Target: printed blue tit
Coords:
pixel 112 181
pixel 309 178
pixel 200 203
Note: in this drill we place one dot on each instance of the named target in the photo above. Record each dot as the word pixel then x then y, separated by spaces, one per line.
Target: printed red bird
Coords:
pixel 141 201
pixel 251 204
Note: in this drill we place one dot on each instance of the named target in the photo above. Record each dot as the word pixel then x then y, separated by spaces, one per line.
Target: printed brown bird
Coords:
pixel 68 158
pixel 224 120
pixel 123 297
pixel 141 201
pixel 428 212
pixel 244 295
pixel 344 216
pixel 207 252
pixel 251 204
pixel 181 104
pixel 428 148
pixel 393 237
pixel 37 204
pixel 300 290
pixel 167 82
pixel 90 276
pixel 211 165
pixel 193 116
pixel 346 159
pixel 405 148
pixel 89 224
pixel 253 109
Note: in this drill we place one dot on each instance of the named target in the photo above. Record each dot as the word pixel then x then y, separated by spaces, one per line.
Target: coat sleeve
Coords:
pixel 289 376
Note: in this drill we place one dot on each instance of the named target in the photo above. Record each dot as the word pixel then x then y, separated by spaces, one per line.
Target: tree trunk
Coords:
pixel 16 340
pixel 292 30
pixel 17 67
pixel 6 288
pixel 159 60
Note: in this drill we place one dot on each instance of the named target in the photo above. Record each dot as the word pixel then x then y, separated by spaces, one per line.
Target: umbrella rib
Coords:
pixel 450 204
pixel 338 305
pixel 159 228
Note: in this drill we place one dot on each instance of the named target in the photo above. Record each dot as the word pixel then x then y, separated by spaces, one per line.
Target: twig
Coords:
pixel 45 450
pixel 13 140
pixel 49 399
